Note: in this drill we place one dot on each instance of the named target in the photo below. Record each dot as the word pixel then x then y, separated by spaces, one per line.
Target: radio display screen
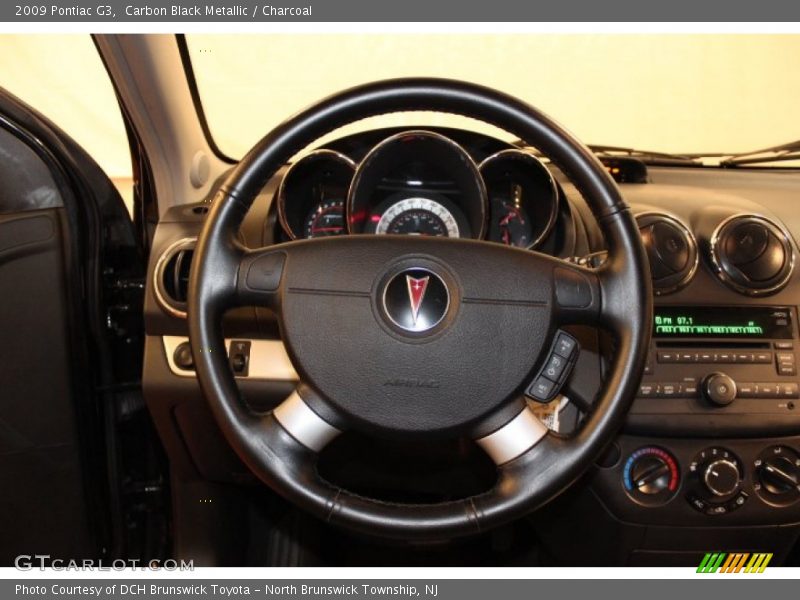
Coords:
pixel 741 322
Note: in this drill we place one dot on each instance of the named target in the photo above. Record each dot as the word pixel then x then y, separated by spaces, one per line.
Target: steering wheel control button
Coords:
pixel 565 345
pixel 560 360
pixel 265 272
pixel 542 389
pixel 719 389
pixel 555 367
pixel 239 357
pixel 416 300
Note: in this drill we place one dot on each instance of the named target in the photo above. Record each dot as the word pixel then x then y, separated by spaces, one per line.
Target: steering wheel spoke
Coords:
pixel 515 438
pixel 303 423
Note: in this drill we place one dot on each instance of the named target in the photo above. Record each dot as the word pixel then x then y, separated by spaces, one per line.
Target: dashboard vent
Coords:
pixel 172 277
pixel 752 255
pixel 671 249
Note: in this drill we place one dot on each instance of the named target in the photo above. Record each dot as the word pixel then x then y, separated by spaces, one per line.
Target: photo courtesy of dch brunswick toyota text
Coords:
pixel 396 298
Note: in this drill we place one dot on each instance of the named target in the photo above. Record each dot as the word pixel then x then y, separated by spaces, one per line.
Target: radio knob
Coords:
pixel 719 389
pixel 721 477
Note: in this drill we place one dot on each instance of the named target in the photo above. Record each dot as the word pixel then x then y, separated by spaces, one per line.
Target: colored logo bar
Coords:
pixel 737 562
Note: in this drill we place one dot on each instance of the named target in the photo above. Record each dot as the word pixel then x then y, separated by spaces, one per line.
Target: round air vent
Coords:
pixel 671 249
pixel 172 276
pixel 752 255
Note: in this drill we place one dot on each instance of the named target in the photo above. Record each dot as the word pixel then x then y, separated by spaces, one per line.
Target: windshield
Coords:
pixel 669 93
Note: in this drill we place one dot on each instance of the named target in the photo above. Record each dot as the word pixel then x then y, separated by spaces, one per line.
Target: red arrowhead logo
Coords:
pixel 416 292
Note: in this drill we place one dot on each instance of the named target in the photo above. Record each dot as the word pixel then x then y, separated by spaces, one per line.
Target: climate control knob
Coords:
pixel 719 389
pixel 778 475
pixel 715 483
pixel 722 477
pixel 651 475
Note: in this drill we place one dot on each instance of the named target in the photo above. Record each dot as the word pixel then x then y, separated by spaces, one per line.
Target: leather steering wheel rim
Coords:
pixel 621 304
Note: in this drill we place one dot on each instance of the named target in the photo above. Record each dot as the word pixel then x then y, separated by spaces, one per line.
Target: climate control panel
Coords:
pixel 695 482
pixel 716 478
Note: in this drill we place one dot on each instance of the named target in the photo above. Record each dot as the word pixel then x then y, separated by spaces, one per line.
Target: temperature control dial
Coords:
pixel 778 475
pixel 651 475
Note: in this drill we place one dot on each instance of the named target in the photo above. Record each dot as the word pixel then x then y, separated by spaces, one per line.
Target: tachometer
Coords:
pixel 326 219
pixel 513 226
pixel 523 198
pixel 418 216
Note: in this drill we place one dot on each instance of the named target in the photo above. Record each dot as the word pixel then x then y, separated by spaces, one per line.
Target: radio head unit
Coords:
pixel 731 365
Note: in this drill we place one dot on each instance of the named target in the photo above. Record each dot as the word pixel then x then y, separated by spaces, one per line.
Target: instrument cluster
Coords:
pixel 420 183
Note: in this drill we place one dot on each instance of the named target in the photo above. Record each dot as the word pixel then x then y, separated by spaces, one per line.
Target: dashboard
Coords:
pixel 710 452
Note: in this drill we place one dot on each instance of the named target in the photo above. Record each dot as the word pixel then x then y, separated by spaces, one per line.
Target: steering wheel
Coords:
pixel 376 355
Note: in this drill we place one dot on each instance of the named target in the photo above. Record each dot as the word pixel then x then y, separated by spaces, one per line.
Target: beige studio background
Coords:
pixel 678 93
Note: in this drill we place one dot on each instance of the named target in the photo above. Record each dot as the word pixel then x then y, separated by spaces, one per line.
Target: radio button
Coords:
pixel 706 357
pixel 788 390
pixel 648 390
pixel 787 370
pixel 687 357
pixel 667 357
pixel 785 363
pixel 737 502
pixel 746 390
pixel 689 390
pixel 767 390
pixel 669 390
pixel 763 357
pixel 745 357
pixel 784 345
pixel 724 357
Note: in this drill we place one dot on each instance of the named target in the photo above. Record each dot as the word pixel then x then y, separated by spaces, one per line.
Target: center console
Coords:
pixel 720 381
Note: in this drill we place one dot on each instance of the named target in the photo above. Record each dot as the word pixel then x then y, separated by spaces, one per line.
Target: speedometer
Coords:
pixel 418 216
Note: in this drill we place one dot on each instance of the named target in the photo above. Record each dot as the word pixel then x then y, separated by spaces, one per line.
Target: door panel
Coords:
pixel 70 345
